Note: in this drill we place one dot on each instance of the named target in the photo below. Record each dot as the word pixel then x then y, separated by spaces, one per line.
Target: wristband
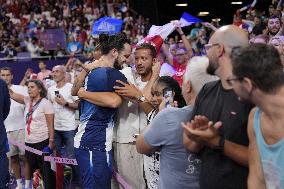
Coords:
pixel 182 34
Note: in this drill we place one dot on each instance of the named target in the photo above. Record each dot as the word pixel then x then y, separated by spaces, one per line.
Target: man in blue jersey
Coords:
pixel 258 77
pixel 99 102
pixel 4 111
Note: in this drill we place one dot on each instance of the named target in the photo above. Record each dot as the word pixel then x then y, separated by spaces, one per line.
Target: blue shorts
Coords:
pixel 95 168
pixel 4 173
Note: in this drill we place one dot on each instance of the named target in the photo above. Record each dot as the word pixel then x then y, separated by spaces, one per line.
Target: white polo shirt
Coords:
pixel 16 119
pixel 64 118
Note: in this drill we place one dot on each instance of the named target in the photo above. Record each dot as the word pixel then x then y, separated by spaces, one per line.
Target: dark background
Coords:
pixel 162 11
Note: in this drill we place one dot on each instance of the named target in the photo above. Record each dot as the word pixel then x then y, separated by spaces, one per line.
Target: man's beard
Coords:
pixel 211 68
pixel 146 72
pixel 273 33
pixel 116 65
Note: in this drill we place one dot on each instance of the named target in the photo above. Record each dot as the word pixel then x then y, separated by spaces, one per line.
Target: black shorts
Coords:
pixel 37 162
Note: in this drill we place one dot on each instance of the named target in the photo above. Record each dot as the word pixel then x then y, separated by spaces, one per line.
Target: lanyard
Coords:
pixel 29 116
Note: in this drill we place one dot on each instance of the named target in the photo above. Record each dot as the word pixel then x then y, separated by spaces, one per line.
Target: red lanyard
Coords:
pixel 29 115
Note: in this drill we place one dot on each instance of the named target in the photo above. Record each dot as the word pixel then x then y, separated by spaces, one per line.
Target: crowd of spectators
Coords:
pixel 21 23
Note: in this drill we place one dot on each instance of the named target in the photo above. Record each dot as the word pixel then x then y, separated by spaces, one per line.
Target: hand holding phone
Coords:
pixel 136 136
pixel 168 96
pixel 57 94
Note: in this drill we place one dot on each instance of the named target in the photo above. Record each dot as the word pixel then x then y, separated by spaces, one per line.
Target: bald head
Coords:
pixel 60 68
pixel 230 36
pixel 58 73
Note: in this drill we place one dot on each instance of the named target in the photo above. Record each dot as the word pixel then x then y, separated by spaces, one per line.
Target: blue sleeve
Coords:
pixel 114 75
pixel 5 99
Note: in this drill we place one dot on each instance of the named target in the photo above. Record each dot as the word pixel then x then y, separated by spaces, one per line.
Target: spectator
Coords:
pixel 15 125
pixel 278 43
pixel 39 130
pixel 132 119
pixel 152 162
pixel 33 48
pixel 10 51
pixel 165 134
pixel 265 127
pixel 225 151
pixel 59 52
pixel 42 51
pixel 4 111
pixel 274 25
pixel 44 73
pixel 64 105
pixel 181 57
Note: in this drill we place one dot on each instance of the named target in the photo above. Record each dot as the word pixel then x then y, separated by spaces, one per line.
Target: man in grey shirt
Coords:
pixel 178 167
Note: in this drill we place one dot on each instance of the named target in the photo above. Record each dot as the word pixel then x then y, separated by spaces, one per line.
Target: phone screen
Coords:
pixel 168 96
pixel 56 93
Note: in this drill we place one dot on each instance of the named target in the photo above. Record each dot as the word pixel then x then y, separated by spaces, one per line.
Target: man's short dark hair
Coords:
pixel 274 17
pixel 262 64
pixel 152 49
pixel 109 42
pixel 6 68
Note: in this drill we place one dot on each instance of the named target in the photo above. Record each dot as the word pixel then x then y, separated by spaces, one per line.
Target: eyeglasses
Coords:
pixel 208 46
pixel 230 81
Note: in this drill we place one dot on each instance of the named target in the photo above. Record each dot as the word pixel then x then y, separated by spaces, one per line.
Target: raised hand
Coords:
pixel 156 68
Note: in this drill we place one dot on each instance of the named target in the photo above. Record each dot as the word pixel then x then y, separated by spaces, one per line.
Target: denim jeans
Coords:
pixel 4 173
pixel 66 138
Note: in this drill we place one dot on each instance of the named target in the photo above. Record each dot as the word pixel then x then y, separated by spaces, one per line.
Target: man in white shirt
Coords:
pixel 15 124
pixel 64 105
pixel 132 120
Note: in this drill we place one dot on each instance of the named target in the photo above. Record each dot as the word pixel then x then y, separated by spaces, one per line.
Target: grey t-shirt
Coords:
pixel 178 167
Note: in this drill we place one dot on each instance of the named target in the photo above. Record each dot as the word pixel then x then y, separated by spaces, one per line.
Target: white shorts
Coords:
pixel 18 136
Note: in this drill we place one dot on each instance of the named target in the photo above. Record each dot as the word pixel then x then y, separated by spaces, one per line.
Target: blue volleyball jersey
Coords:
pixel 96 123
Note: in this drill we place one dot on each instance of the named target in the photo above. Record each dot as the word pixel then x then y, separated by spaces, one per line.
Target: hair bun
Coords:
pixel 103 38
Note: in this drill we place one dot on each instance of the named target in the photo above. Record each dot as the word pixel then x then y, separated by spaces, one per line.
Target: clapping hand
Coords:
pixel 202 130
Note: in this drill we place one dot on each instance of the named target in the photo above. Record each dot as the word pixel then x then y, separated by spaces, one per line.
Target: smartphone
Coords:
pixel 136 136
pixel 168 96
pixel 56 93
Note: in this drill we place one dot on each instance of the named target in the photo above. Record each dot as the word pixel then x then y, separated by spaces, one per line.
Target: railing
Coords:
pixel 41 57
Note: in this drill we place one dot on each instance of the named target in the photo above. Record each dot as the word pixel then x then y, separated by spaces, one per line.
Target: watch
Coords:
pixel 141 98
